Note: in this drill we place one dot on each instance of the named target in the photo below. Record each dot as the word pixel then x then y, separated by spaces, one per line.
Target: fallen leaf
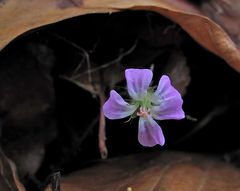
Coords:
pixel 166 171
pixel 226 13
pixel 192 19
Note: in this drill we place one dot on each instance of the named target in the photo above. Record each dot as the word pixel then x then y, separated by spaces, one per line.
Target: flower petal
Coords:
pixel 167 101
pixel 138 81
pixel 149 132
pixel 116 108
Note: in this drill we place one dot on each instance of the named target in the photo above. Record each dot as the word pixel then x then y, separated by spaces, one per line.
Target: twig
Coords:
pixel 202 123
pixel 83 51
pixel 87 131
pixel 55 181
pixel 78 67
pixel 102 125
pixel 106 65
pixel 169 27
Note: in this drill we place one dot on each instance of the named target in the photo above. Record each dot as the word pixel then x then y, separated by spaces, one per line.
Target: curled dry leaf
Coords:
pixel 226 13
pixel 155 171
pixel 205 31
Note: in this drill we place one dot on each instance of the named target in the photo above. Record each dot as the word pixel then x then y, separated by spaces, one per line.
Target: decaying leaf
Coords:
pixel 226 13
pixel 190 18
pixel 168 171
pixel 8 176
pixel 27 105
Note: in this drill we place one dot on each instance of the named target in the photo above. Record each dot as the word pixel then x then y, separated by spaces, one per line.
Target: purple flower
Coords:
pixel 163 103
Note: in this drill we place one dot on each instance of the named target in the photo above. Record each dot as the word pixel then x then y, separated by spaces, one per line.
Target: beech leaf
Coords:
pixel 191 18
pixel 166 171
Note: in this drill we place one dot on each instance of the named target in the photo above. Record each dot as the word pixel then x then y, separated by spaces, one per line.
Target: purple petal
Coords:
pixel 167 100
pixel 149 132
pixel 138 81
pixel 116 108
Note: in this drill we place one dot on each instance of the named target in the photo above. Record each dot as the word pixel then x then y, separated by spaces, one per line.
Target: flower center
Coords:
pixel 143 112
pixel 144 105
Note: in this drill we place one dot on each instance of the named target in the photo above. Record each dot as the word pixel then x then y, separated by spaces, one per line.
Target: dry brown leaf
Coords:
pixel 17 18
pixel 167 171
pixel 226 13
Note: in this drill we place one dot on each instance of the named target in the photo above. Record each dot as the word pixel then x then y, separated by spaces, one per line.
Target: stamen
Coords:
pixel 143 112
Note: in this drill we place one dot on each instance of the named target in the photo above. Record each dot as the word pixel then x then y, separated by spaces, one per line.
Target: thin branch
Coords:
pixel 218 110
pixel 87 131
pixel 106 65
pixel 102 128
pixel 78 67
pixel 84 53
pixel 55 181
